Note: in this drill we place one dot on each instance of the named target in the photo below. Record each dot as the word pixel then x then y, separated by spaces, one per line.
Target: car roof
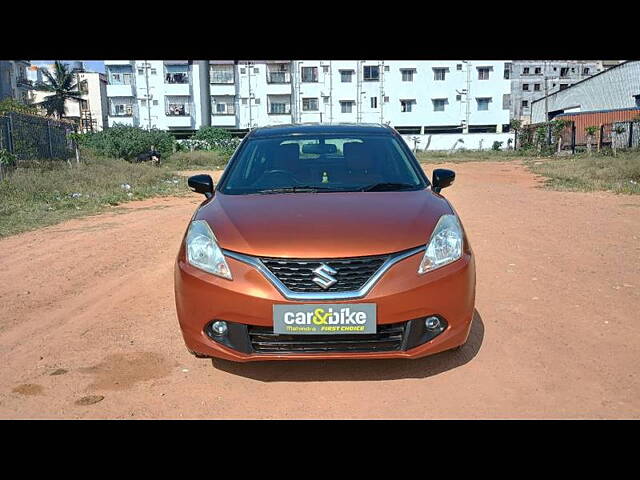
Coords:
pixel 315 128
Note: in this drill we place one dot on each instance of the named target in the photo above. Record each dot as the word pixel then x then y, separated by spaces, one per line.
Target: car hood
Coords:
pixel 323 225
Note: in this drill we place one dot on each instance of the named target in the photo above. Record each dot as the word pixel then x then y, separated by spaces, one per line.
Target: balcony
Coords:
pixel 278 77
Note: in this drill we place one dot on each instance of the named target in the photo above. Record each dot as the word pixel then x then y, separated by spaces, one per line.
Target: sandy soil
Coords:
pixel 88 326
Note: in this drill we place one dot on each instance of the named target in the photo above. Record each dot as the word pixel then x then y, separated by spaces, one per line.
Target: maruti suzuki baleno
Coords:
pixel 324 242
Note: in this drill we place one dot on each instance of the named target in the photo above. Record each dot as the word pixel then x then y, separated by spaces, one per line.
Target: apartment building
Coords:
pixel 90 113
pixel 533 79
pixel 615 89
pixel 415 97
pixel 13 80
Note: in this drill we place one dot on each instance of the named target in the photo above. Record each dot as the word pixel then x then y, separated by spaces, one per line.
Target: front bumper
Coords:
pixel 401 295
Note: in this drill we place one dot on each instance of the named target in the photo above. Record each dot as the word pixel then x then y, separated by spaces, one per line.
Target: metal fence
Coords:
pixel 622 135
pixel 30 137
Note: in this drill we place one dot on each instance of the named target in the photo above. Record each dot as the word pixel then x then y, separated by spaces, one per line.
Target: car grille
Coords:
pixel 388 338
pixel 297 274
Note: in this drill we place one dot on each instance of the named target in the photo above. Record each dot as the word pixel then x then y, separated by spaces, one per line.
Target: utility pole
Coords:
pixel 146 77
pixel 546 94
pixel 249 77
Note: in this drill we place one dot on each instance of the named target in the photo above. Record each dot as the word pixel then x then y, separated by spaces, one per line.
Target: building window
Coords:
pixel 458 98
pixel 256 70
pixel 483 103
pixel 483 73
pixel 309 74
pixel 155 103
pixel 439 104
pixel 121 106
pixel 346 106
pixel 141 71
pixel 154 71
pixel 525 71
pixel 325 69
pixel 176 74
pixel 177 106
pixel 525 103
pixel 406 105
pixel 119 75
pixel 374 102
pixel 243 70
pixel 386 68
pixel 371 73
pixel 244 101
pixel 536 87
pixel 538 70
pixel 459 66
pixel 407 74
pixel 279 104
pixel 564 72
pixel 439 73
pixel 221 74
pixel 143 102
pixel 223 105
pixel 525 87
pixel 278 73
pixel 386 99
pixel 84 105
pixel 84 86
pixel 346 76
pixel 507 71
pixel 585 71
pixel 563 86
pixel 310 104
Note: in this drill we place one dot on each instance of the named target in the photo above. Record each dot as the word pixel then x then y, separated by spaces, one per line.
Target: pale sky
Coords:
pixel 91 65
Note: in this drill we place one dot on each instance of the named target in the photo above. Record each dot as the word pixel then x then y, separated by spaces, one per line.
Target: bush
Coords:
pixel 7 159
pixel 212 138
pixel 497 145
pixel 123 141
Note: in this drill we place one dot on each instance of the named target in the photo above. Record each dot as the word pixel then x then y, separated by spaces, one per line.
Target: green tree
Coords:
pixel 62 86
pixel 10 105
pixel 590 131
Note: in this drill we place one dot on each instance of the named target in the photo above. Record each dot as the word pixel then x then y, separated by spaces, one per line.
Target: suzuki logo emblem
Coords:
pixel 324 278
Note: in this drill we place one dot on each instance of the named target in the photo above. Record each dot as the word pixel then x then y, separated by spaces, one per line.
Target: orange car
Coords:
pixel 324 242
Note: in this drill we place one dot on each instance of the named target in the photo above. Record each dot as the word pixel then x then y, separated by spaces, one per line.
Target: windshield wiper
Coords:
pixel 387 186
pixel 298 189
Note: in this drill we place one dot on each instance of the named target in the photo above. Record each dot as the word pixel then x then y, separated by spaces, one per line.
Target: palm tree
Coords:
pixel 62 86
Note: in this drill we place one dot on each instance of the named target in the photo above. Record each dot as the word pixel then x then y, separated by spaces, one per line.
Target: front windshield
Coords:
pixel 321 163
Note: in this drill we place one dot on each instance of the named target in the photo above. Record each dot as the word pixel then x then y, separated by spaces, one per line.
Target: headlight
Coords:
pixel 203 251
pixel 445 244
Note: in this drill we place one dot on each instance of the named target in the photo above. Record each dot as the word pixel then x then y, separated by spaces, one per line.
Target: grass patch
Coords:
pixel 584 173
pixel 208 159
pixel 46 193
pixel 464 156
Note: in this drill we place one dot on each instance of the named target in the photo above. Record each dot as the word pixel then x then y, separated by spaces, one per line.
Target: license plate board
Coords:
pixel 325 319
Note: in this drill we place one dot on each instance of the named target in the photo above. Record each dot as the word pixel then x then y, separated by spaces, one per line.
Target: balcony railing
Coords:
pixel 279 109
pixel 24 82
pixel 278 77
pixel 178 110
pixel 176 77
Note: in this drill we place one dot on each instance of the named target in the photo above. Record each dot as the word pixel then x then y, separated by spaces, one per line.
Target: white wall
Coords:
pixel 470 141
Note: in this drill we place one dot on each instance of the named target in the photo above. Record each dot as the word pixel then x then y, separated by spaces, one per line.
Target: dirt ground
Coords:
pixel 88 326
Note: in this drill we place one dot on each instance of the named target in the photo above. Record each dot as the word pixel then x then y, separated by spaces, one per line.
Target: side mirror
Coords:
pixel 442 178
pixel 202 184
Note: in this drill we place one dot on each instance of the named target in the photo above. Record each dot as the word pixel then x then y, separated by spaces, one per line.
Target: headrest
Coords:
pixel 357 156
pixel 286 157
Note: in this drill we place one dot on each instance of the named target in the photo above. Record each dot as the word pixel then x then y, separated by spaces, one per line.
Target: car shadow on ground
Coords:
pixel 359 370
